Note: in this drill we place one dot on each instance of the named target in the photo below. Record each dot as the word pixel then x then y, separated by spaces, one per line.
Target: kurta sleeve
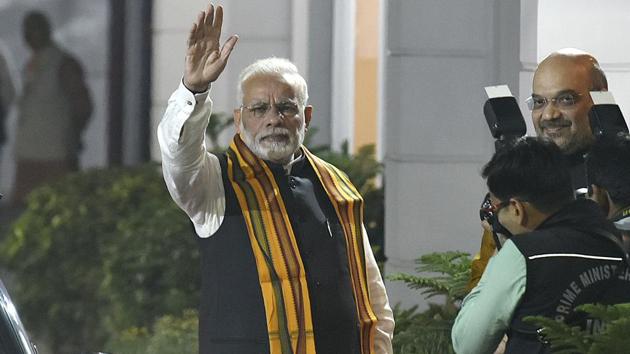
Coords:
pixel 379 302
pixel 192 174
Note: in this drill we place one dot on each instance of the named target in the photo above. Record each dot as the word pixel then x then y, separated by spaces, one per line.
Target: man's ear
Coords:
pixel 237 120
pixel 519 211
pixel 308 112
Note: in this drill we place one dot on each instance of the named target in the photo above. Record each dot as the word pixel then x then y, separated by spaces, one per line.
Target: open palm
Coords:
pixel 205 58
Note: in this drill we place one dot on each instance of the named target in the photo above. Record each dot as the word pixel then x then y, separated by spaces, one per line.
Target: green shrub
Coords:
pixel 425 332
pixel 169 335
pixel 134 340
pixel 612 338
pixel 217 124
pixel 100 251
pixel 429 332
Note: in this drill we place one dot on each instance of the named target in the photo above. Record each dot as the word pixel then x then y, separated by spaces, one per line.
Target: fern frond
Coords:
pixel 563 338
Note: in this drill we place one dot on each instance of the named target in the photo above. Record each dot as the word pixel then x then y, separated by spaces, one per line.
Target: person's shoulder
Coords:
pixel 536 240
pixel 69 61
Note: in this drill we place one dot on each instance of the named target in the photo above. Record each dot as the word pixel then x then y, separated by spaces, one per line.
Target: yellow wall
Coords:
pixel 366 73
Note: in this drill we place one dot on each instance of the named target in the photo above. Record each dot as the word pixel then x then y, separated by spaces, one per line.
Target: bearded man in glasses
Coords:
pixel 286 263
pixel 559 104
pixel 564 253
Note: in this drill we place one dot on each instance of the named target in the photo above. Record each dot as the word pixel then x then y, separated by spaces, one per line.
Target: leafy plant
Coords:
pixel 612 337
pixel 308 141
pixel 428 332
pixel 100 251
pixel 169 335
pixel 217 124
pixel 134 340
pixel 453 269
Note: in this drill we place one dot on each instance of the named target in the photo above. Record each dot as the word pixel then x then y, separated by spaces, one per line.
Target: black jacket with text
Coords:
pixel 570 262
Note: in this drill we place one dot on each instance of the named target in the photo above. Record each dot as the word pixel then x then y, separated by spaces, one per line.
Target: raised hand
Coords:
pixel 205 58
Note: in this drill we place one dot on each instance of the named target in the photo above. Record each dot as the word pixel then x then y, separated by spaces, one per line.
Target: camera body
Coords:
pixel 504 119
pixel 606 120
pixel 506 124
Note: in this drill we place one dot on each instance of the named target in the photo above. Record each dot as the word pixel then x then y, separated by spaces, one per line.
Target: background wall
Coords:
pixel 437 57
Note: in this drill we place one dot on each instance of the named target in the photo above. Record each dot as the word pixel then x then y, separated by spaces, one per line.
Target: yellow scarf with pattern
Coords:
pixel 280 268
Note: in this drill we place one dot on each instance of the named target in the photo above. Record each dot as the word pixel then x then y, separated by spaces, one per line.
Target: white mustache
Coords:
pixel 273 131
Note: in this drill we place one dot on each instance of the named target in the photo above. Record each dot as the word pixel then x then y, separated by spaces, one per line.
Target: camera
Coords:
pixel 503 116
pixel 506 124
pixel 605 117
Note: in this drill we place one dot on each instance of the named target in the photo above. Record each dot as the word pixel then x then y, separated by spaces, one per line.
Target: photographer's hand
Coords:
pixel 486 225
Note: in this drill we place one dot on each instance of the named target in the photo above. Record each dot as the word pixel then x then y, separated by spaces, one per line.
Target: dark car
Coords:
pixel 13 336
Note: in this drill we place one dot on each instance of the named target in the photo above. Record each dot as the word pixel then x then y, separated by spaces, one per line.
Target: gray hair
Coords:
pixel 274 66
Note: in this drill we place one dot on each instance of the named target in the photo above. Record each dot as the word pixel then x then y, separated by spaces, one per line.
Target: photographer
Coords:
pixel 608 176
pixel 559 105
pixel 557 245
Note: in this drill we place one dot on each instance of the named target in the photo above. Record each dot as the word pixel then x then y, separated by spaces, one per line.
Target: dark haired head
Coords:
pixel 37 30
pixel 608 166
pixel 533 170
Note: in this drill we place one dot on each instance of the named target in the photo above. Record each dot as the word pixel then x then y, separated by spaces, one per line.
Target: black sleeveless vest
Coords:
pixel 567 265
pixel 232 315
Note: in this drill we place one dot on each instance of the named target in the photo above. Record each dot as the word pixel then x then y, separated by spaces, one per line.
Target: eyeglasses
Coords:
pixel 563 100
pixel 284 109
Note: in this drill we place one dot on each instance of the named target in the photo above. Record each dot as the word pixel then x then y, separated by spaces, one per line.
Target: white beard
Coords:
pixel 274 151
